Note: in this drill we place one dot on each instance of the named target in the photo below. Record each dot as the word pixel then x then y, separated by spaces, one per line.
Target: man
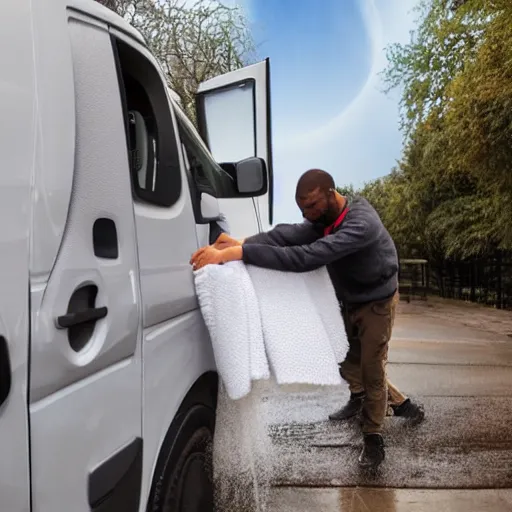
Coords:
pixel 361 258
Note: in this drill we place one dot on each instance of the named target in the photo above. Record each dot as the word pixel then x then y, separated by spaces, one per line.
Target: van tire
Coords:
pixel 184 482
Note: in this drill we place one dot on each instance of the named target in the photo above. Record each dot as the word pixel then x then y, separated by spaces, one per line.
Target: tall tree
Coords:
pixel 456 75
pixel 443 43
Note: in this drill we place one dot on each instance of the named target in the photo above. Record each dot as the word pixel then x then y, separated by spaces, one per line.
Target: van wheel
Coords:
pixel 185 482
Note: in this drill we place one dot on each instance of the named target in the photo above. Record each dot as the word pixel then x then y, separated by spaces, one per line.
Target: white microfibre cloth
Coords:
pixel 322 293
pixel 259 318
pixel 259 368
pixel 295 309
pixel 224 310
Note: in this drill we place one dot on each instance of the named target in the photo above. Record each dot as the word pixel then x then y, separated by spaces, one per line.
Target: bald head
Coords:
pixel 317 198
pixel 312 180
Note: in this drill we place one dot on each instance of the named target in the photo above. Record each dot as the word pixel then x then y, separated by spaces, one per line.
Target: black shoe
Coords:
pixel 372 454
pixel 352 408
pixel 410 411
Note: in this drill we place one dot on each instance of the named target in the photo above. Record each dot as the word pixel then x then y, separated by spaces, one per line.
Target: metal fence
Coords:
pixel 414 278
pixel 486 281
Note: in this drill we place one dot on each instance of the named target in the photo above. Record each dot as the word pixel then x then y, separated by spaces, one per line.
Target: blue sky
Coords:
pixel 328 108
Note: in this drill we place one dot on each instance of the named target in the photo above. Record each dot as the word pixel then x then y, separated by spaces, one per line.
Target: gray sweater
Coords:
pixel 360 255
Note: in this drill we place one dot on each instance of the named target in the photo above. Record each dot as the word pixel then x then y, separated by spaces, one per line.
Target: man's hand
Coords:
pixel 209 255
pixel 224 241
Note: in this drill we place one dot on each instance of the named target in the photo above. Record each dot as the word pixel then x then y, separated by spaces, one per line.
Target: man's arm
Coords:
pixel 353 236
pixel 283 235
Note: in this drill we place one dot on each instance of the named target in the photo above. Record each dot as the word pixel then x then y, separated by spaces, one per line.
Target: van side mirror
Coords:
pixel 251 177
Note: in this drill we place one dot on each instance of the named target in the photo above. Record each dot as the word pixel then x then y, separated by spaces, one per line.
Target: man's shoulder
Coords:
pixel 358 201
pixel 362 215
pixel 360 205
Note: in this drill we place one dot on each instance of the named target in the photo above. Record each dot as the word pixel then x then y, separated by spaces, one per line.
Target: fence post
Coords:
pixel 499 299
pixel 459 269
pixel 472 279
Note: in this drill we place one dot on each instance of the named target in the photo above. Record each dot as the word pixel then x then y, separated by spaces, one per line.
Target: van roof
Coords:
pixel 100 12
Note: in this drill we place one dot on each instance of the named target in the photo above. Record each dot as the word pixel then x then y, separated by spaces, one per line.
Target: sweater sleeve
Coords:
pixel 283 235
pixel 354 235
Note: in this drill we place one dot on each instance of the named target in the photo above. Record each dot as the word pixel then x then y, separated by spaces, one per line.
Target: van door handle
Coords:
pixel 81 317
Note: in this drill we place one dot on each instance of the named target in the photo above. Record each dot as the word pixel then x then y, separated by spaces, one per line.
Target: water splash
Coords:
pixel 241 455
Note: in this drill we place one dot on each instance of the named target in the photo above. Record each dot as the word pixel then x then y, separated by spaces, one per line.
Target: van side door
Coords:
pixel 86 354
pixel 234 118
pixel 176 347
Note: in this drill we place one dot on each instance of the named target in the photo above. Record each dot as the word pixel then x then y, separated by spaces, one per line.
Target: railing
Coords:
pixel 486 281
pixel 414 279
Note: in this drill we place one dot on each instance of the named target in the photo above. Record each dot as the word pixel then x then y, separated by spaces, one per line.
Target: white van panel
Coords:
pixel 242 215
pixel 55 142
pixel 95 10
pixel 175 355
pixel 101 189
pixel 75 430
pixel 17 132
pixel 86 403
pixel 166 240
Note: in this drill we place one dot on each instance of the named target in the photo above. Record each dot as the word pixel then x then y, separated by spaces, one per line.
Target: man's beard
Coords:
pixel 327 218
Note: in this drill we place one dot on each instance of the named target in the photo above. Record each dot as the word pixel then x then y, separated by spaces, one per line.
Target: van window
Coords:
pixel 151 139
pixel 206 174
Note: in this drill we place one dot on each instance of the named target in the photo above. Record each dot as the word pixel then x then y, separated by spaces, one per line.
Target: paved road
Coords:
pixel 457 360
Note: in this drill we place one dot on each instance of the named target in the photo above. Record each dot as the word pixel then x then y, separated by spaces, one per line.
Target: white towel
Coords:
pixel 259 318
pixel 230 338
pixel 259 368
pixel 322 293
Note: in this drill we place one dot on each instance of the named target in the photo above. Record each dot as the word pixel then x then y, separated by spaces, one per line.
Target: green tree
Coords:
pixel 479 122
pixel 455 180
pixel 443 43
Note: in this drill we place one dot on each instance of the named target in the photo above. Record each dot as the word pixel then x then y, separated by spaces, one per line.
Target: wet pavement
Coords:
pixel 391 500
pixel 457 361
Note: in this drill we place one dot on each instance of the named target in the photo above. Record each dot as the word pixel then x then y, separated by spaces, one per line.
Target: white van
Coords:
pixel 107 379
